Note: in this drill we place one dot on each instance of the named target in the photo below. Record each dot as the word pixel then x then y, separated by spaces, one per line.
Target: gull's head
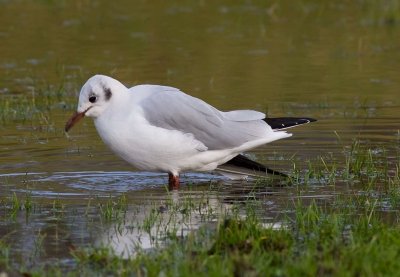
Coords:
pixel 95 97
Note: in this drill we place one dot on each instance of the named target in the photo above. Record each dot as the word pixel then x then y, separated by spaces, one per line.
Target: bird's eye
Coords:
pixel 92 99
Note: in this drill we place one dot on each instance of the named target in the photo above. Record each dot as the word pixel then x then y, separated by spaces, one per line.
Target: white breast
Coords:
pixel 145 146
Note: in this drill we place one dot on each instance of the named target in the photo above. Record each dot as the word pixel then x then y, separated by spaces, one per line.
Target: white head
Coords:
pixel 95 97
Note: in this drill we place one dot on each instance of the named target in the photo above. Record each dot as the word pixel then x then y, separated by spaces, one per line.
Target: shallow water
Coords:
pixel 335 62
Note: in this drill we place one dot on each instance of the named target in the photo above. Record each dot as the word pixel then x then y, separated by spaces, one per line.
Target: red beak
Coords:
pixel 74 119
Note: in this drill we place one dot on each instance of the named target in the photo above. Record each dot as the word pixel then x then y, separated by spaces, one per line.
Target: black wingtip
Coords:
pixel 287 122
pixel 311 119
pixel 244 162
pixel 276 173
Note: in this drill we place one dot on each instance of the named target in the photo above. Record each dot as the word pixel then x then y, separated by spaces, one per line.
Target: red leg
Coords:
pixel 173 181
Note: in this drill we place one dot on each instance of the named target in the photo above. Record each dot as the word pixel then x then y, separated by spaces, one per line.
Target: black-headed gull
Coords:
pixel 160 128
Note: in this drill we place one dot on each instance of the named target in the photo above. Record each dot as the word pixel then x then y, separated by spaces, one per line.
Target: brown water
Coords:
pixel 337 62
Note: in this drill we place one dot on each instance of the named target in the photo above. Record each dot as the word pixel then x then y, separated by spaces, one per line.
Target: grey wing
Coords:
pixel 172 109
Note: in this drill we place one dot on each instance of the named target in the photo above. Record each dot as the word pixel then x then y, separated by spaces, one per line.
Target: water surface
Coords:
pixel 337 62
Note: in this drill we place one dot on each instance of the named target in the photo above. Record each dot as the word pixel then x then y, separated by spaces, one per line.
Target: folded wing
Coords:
pixel 172 109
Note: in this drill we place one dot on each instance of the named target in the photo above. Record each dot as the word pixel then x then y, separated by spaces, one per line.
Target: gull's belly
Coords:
pixel 152 148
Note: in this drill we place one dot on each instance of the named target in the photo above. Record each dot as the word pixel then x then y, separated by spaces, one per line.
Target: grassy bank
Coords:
pixel 347 238
pixel 356 232
pixel 315 242
pixel 337 241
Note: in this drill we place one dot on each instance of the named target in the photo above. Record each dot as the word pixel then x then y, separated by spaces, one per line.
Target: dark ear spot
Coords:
pixel 107 93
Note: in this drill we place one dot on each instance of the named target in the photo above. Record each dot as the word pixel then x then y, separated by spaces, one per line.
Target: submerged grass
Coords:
pixel 315 241
pixel 360 164
pixel 349 234
pixel 36 104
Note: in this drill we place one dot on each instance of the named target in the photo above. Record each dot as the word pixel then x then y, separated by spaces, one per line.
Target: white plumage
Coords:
pixel 160 128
